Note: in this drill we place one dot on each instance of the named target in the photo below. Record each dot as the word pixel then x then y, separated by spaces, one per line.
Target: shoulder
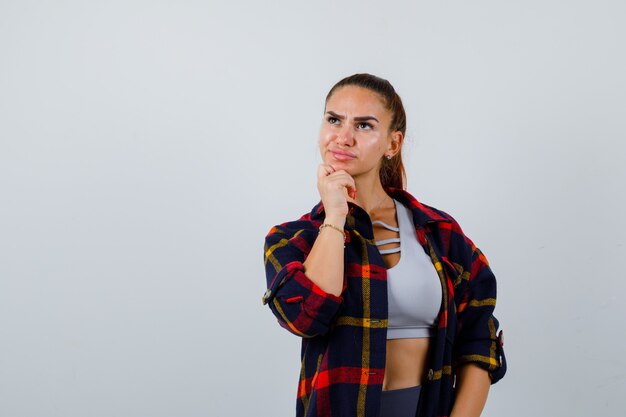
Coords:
pixel 439 224
pixel 425 214
pixel 305 226
pixel 290 241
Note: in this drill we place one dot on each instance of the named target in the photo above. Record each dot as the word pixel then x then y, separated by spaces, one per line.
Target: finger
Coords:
pixel 351 193
pixel 345 180
pixel 324 170
pixel 351 187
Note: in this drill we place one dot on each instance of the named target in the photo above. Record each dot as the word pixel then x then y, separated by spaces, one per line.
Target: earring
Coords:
pixel 388 157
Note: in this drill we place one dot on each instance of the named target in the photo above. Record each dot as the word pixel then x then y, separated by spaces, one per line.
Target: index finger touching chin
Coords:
pixel 324 170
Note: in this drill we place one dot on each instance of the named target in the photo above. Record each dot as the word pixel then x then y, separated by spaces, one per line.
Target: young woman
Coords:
pixel 393 302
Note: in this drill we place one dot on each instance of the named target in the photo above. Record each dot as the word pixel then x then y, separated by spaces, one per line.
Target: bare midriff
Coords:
pixel 407 362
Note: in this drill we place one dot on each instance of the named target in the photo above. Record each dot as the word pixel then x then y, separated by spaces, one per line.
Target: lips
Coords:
pixel 341 155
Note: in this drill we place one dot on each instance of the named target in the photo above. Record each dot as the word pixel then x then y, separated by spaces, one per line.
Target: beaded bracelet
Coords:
pixel 333 227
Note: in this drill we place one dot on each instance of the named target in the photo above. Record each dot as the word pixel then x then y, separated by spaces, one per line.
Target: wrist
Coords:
pixel 336 220
pixel 330 226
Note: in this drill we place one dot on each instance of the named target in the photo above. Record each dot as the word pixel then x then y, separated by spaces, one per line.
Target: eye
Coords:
pixel 364 126
pixel 332 120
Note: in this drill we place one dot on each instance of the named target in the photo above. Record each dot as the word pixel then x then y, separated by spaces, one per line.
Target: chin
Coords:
pixel 341 165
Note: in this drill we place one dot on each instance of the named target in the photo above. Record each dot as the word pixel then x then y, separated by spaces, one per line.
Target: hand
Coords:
pixel 336 188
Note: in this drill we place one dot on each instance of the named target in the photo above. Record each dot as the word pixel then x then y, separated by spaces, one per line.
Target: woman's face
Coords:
pixel 354 135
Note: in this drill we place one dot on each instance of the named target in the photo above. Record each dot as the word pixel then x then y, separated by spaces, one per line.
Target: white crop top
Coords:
pixel 413 285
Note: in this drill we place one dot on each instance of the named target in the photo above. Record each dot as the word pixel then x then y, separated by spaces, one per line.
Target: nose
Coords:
pixel 345 137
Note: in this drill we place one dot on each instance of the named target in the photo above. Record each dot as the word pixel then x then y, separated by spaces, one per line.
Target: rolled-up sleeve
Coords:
pixel 298 303
pixel 478 339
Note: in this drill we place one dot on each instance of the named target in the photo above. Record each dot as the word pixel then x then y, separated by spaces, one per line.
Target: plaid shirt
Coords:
pixel 344 337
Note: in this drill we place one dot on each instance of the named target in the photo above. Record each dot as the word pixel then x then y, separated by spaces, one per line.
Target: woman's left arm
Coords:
pixel 472 387
pixel 478 356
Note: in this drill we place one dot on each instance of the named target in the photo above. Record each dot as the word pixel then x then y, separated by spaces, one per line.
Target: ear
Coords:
pixel 395 144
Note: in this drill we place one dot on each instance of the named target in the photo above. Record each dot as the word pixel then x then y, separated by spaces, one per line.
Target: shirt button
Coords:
pixel 266 296
pixel 431 373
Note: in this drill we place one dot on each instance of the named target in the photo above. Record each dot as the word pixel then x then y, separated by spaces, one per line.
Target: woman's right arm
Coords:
pixel 325 263
pixel 305 295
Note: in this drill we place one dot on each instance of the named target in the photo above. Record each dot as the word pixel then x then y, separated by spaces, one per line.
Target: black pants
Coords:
pixel 400 402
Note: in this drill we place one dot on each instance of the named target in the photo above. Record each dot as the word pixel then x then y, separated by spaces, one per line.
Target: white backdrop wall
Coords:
pixel 146 148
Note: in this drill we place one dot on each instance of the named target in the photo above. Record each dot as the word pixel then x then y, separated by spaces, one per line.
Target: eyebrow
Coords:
pixel 357 119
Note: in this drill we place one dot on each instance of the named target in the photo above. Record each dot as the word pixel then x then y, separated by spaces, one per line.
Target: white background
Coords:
pixel 146 148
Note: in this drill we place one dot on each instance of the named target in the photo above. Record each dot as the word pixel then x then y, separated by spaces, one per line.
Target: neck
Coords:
pixel 370 194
